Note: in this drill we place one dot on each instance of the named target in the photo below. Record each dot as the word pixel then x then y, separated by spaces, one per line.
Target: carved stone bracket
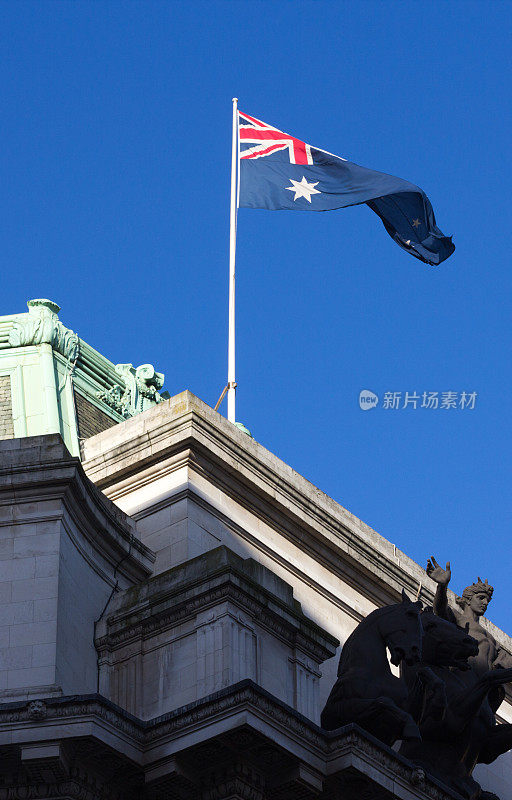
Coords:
pixel 143 383
pixel 140 390
pixel 42 326
pixel 238 780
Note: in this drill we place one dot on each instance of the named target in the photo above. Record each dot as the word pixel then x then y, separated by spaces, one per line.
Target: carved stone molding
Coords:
pixel 231 789
pixel 71 788
pixel 42 326
pixel 182 610
pixel 352 739
pixel 243 693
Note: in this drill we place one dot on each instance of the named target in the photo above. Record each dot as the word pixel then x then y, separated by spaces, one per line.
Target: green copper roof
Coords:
pixel 51 381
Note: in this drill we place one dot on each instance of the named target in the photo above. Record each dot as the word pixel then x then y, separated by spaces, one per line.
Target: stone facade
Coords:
pixel 6 423
pixel 193 483
pixel 206 625
pixel 61 547
pixel 173 608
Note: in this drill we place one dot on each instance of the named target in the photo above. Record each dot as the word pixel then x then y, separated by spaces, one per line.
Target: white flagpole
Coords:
pixel 232 251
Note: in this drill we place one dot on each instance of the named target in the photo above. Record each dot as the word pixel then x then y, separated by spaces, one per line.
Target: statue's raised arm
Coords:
pixel 442 578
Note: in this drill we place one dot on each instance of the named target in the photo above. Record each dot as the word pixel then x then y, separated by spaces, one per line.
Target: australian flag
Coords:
pixel 279 171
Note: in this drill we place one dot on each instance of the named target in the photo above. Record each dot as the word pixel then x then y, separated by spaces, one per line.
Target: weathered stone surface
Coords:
pixel 186 482
pixel 193 481
pixel 6 423
pixel 216 563
pixel 184 436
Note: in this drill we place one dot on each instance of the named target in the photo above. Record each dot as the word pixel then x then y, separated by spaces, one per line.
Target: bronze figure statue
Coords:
pixel 466 733
pixel 444 703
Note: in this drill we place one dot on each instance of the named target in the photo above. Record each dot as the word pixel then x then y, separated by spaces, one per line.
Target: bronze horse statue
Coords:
pixel 366 691
pixel 463 733
pixel 443 645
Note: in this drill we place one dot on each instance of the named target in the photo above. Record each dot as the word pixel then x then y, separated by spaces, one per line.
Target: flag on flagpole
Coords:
pixel 278 171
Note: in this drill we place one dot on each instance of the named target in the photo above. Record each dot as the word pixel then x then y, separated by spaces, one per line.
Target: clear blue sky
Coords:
pixel 115 174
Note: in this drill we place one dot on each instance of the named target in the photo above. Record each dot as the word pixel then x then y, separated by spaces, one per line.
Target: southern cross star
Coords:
pixel 416 223
pixel 303 189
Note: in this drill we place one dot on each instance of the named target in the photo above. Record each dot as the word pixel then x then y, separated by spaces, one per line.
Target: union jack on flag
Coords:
pixel 266 140
pixel 280 171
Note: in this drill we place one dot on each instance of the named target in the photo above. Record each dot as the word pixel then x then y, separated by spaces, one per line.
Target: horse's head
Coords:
pixel 402 631
pixel 445 644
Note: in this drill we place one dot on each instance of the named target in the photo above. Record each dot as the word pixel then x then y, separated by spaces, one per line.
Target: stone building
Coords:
pixel 174 597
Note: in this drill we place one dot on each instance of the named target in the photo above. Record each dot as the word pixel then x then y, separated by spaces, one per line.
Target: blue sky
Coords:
pixel 115 166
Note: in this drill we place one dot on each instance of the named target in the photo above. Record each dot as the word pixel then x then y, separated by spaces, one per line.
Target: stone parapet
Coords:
pixel 185 433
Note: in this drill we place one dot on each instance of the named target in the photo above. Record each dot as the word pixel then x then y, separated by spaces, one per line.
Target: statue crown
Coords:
pixel 476 588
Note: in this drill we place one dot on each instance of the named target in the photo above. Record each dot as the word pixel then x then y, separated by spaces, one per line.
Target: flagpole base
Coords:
pixel 231 401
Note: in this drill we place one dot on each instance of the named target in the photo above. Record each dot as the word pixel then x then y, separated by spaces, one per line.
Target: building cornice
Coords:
pixel 252 710
pixel 353 609
pixel 184 431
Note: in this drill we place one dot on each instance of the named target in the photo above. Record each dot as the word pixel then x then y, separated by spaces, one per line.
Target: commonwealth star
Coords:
pixel 303 189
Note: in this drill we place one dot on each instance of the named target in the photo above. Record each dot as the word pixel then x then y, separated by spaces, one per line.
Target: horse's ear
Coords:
pixel 419 605
pixel 405 598
pixel 466 627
